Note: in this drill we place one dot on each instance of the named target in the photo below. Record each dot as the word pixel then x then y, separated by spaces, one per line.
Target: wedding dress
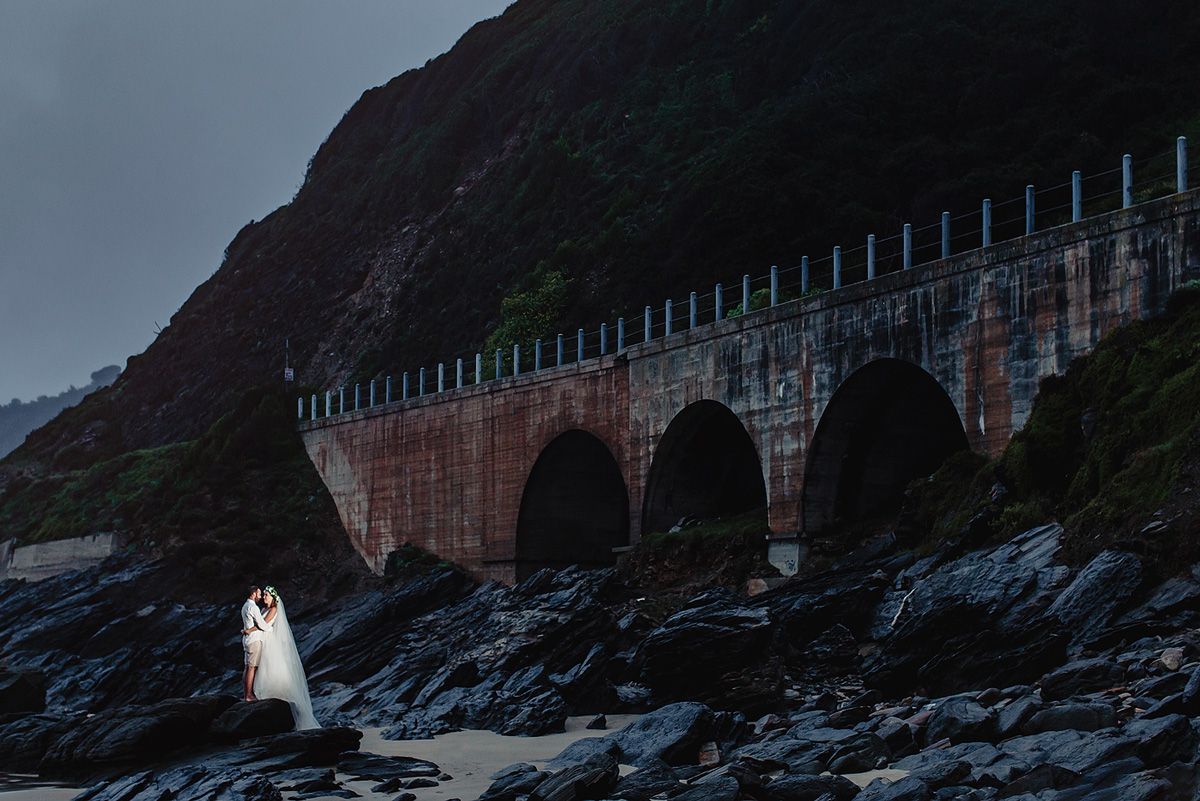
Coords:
pixel 280 673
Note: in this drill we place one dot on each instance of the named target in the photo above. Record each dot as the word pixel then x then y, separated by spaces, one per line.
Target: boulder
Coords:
pixel 1080 717
pixel 960 719
pixel 25 739
pixel 909 788
pixel 1082 676
pixel 190 783
pixel 673 733
pixel 134 734
pixel 591 779
pixel 809 788
pixel 721 788
pixel 246 719
pixel 1097 592
pixel 717 632
pixel 1012 717
pixel 654 778
pixel 515 780
pixel 1161 741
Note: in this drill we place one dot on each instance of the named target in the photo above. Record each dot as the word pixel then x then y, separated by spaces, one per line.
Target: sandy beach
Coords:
pixel 472 756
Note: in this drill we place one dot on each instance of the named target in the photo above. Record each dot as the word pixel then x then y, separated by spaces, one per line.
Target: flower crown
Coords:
pixel 272 591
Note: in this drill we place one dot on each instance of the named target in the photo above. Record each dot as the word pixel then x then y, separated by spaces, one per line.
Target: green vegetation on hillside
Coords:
pixel 240 504
pixel 1111 449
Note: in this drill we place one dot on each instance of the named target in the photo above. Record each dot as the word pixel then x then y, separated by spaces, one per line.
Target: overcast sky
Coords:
pixel 138 136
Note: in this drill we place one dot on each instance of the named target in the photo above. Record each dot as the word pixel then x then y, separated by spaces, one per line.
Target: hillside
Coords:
pixel 17 419
pixel 634 151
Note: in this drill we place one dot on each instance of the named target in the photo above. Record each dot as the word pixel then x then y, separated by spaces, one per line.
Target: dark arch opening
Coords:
pixel 575 508
pixel 887 424
pixel 705 467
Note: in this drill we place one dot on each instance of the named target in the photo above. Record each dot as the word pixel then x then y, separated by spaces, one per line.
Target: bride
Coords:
pixel 280 674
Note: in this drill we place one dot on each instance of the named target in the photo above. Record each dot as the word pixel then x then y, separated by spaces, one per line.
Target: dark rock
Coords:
pixel 640 785
pixel 860 753
pixel 420 782
pixel 809 788
pixel 906 789
pixel 898 736
pixel 849 717
pixel 22 692
pixel 592 779
pixel 833 652
pixel 672 733
pixel 310 747
pixel 976 621
pixel 1159 687
pixel 598 723
pixel 1081 717
pixel 1043 777
pixel 960 720
pixel 190 783
pixel 944 774
pixel 717 632
pixel 1163 740
pixel 797 756
pixel 722 788
pixel 1012 717
pixel 304 779
pixel 381 768
pixel 244 720
pixel 24 740
pixel 1083 676
pixel 1096 593
pixel 513 781
pixel 135 734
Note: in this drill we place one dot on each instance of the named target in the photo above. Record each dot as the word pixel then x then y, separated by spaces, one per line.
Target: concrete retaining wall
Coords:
pixel 46 559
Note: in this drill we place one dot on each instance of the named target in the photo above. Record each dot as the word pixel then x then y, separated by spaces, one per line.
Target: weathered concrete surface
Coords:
pixel 45 559
pixel 448 472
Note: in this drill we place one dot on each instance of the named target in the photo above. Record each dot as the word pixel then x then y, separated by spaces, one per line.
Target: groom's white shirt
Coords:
pixel 251 617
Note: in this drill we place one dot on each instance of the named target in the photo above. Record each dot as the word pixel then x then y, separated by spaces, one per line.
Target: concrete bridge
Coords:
pixel 820 409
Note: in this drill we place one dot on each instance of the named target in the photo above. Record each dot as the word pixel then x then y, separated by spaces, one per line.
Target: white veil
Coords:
pixel 280 674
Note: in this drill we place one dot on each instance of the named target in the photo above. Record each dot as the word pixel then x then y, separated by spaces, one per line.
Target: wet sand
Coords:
pixel 472 756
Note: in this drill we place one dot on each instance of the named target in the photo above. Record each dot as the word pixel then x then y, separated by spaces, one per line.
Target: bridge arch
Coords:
pixel 888 423
pixel 574 508
pixel 705 466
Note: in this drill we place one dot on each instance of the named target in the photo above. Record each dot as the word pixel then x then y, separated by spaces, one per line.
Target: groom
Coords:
pixel 253 627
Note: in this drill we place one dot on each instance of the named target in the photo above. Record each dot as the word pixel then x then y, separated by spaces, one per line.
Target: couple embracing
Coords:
pixel 273 668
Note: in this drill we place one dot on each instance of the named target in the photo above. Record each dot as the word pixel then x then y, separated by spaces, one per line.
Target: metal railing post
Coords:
pixel 620 333
pixel 372 395
pixel 908 246
pixel 945 234
pixel 803 274
pixel 870 256
pixel 692 307
pixel 441 377
pixel 404 387
pixel 1029 210
pixel 1076 196
pixel 478 368
pixel 387 390
pixel 603 338
pixel 560 351
pixel 745 294
pixel 537 355
pixel 516 359
pixel 987 221
pixel 1181 164
pixel 720 301
pixel 499 362
pixel 647 337
pixel 421 384
pixel 579 346
pixel 837 266
pixel 669 311
pixel 460 375
pixel 1126 181
pixel 774 285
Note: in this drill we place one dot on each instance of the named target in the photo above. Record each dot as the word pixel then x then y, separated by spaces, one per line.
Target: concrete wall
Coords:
pixel 447 472
pixel 45 559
